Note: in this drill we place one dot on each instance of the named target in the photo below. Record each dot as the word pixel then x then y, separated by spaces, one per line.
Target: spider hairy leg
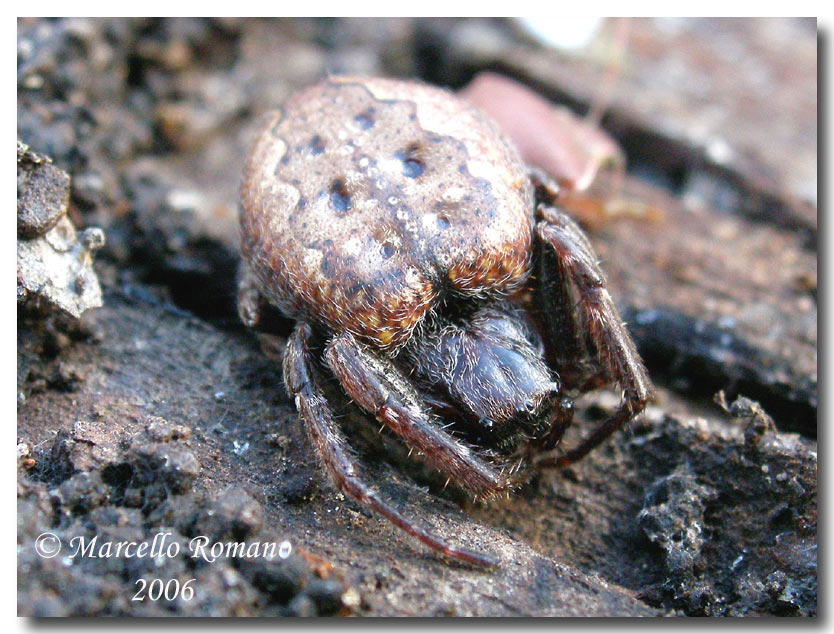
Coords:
pixel 330 444
pixel 382 390
pixel 616 355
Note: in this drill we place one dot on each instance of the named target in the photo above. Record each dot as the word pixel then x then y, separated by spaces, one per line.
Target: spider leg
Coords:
pixel 382 390
pixel 547 189
pixel 553 310
pixel 257 313
pixel 331 446
pixel 250 302
pixel 617 357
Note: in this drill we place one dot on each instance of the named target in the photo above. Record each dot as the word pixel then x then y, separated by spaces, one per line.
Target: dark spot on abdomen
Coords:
pixel 365 120
pixel 327 266
pixel 316 145
pixel 413 164
pixel 339 196
pixel 412 168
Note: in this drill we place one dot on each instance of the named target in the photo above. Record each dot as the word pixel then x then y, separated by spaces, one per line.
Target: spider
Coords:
pixel 433 275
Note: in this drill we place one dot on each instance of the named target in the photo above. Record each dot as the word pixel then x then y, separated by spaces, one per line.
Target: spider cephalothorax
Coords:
pixel 393 220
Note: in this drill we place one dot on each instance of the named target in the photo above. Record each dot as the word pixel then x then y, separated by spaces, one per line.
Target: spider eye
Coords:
pixel 527 407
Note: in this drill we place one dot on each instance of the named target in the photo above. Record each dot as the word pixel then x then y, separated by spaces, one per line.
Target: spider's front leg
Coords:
pixel 597 320
pixel 330 444
pixel 382 390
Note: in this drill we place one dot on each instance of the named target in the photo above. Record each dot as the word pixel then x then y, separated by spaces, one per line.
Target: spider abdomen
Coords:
pixel 366 200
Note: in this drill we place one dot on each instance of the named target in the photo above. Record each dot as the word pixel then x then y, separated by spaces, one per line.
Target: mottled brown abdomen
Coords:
pixel 365 200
